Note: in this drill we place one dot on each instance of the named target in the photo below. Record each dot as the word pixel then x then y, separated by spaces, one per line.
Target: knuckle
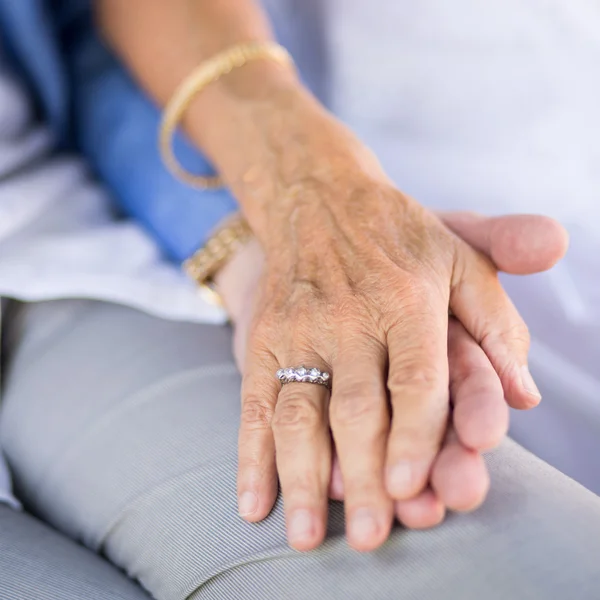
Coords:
pixel 296 413
pixel 519 333
pixel 413 375
pixel 247 462
pixel 256 413
pixel 357 405
pixel 423 437
pixel 344 309
pixel 516 334
pixel 263 332
pixel 409 323
pixel 413 289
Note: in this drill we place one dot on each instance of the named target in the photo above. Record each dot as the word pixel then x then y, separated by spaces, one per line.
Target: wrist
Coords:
pixel 274 145
pixel 236 281
pixel 265 133
pixel 231 117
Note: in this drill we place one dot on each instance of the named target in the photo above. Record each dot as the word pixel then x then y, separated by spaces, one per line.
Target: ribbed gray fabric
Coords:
pixel 37 563
pixel 121 430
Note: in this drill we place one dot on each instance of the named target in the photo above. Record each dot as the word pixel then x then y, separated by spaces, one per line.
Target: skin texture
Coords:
pixel 357 279
pixel 458 480
pixel 365 286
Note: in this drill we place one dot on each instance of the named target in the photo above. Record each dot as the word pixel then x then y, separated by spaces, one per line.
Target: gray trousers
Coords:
pixel 121 433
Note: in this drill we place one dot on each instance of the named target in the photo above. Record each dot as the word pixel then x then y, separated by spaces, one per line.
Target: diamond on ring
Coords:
pixel 303 375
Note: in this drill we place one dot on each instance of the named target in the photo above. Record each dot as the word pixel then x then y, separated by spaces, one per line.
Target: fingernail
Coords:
pixel 247 504
pixel 301 526
pixel 529 383
pixel 400 479
pixel 363 526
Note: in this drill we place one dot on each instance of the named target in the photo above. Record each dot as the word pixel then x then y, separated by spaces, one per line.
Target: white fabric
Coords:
pixel 490 106
pixel 58 237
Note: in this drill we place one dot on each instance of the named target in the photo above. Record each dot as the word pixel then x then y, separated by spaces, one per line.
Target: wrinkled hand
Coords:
pixel 516 244
pixel 358 281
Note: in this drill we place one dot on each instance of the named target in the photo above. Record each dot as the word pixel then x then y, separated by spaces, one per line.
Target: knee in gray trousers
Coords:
pixel 122 430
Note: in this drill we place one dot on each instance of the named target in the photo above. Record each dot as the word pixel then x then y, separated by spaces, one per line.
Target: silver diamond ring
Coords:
pixel 304 375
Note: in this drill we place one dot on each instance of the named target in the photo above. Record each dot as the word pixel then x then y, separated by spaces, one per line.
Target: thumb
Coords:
pixel 517 244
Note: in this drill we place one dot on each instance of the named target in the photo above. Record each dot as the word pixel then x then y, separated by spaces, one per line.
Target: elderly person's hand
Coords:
pixel 358 281
pixel 458 480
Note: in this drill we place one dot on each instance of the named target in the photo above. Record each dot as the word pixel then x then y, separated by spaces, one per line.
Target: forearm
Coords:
pixel 164 40
pixel 236 121
pixel 263 131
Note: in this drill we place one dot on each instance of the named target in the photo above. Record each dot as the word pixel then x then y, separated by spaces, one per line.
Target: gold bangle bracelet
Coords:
pixel 206 73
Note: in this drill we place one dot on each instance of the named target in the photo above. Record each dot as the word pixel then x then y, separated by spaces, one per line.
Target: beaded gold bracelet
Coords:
pixel 206 262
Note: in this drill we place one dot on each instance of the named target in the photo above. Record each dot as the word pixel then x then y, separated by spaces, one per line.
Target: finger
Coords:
pixel 257 475
pixel 303 454
pixel 487 313
pixel 421 512
pixel 459 477
pixel 480 413
pixel 518 244
pixel 360 422
pixel 418 384
pixel 336 485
